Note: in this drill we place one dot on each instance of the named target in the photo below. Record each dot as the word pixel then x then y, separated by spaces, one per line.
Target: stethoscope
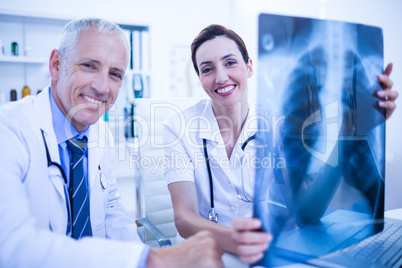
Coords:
pixel 212 215
pixel 103 180
pixel 63 174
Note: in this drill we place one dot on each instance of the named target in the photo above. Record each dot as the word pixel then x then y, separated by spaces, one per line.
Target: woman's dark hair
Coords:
pixel 210 33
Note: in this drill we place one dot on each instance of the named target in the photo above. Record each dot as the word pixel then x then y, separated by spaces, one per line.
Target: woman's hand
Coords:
pixel 387 96
pixel 249 241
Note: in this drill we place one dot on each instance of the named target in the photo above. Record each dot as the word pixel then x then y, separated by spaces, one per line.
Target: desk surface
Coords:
pixel 394 214
pixel 232 261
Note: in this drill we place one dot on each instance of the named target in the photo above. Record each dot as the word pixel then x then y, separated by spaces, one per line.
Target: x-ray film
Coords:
pixel 320 78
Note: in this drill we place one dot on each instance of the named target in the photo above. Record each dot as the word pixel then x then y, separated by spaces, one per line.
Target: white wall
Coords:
pixel 173 25
pixel 385 14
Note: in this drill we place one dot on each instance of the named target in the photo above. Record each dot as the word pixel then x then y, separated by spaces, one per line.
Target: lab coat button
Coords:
pixel 238 196
pixel 232 208
pixel 227 181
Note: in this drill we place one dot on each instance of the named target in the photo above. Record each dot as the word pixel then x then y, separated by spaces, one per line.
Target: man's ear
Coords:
pixel 55 64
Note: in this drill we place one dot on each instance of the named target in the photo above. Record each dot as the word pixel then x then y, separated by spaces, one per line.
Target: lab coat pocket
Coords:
pixel 58 211
pixel 104 184
pixel 104 180
pixel 98 203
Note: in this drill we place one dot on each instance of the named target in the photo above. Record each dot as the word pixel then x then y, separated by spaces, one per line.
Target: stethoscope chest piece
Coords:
pixel 212 216
pixel 103 181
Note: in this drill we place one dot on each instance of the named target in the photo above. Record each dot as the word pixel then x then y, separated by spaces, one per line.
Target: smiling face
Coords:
pixel 223 72
pixel 89 82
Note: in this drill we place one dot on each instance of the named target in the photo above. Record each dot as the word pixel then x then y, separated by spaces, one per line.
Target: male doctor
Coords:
pixel 56 210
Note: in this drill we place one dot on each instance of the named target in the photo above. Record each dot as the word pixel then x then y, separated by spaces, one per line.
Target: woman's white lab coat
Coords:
pixel 33 212
pixel 183 136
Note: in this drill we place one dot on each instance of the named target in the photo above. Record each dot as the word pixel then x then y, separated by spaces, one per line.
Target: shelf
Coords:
pixel 20 59
pixel 141 72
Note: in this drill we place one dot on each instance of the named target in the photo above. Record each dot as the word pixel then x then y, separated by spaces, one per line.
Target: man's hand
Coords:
pixel 251 241
pixel 387 96
pixel 200 250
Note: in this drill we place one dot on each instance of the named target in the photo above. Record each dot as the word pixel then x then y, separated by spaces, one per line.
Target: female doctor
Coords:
pixel 224 124
pixel 209 146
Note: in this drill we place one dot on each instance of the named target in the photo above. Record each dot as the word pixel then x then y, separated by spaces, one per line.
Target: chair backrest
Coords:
pixel 153 197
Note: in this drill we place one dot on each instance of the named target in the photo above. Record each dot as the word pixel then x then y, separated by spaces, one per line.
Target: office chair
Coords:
pixel 153 198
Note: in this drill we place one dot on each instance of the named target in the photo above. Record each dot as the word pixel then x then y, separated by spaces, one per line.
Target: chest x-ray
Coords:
pixel 321 76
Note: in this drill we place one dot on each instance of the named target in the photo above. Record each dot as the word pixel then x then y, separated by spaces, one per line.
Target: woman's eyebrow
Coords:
pixel 227 56
pixel 223 58
pixel 205 62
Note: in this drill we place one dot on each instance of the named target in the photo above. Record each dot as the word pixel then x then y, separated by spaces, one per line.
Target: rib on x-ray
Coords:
pixel 321 76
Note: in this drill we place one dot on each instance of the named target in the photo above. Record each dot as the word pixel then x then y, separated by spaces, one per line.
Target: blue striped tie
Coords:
pixel 78 190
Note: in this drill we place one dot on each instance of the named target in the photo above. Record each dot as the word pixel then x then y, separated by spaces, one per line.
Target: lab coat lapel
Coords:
pixel 215 145
pixel 95 145
pixel 249 129
pixel 44 118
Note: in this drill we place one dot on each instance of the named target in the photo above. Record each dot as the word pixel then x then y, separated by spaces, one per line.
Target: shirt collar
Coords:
pixel 63 128
pixel 208 125
pixel 250 126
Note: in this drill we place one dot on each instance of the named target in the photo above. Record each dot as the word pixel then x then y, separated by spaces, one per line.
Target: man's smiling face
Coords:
pixel 87 84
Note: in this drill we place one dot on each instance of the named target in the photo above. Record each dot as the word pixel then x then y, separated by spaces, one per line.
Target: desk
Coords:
pixel 392 214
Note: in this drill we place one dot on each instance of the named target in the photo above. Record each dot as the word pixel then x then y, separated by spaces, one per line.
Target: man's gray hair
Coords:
pixel 71 32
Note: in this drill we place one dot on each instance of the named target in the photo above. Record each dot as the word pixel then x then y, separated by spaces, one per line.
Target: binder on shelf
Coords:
pixel 127 33
pixel 136 50
pixel 129 88
pixel 145 50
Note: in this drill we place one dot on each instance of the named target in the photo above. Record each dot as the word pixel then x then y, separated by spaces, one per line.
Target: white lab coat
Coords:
pixel 33 213
pixel 183 136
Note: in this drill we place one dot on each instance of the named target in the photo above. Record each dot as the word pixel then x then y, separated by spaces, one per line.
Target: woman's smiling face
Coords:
pixel 223 72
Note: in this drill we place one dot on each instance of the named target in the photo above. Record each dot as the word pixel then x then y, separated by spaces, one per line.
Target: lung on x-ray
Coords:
pixel 320 77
